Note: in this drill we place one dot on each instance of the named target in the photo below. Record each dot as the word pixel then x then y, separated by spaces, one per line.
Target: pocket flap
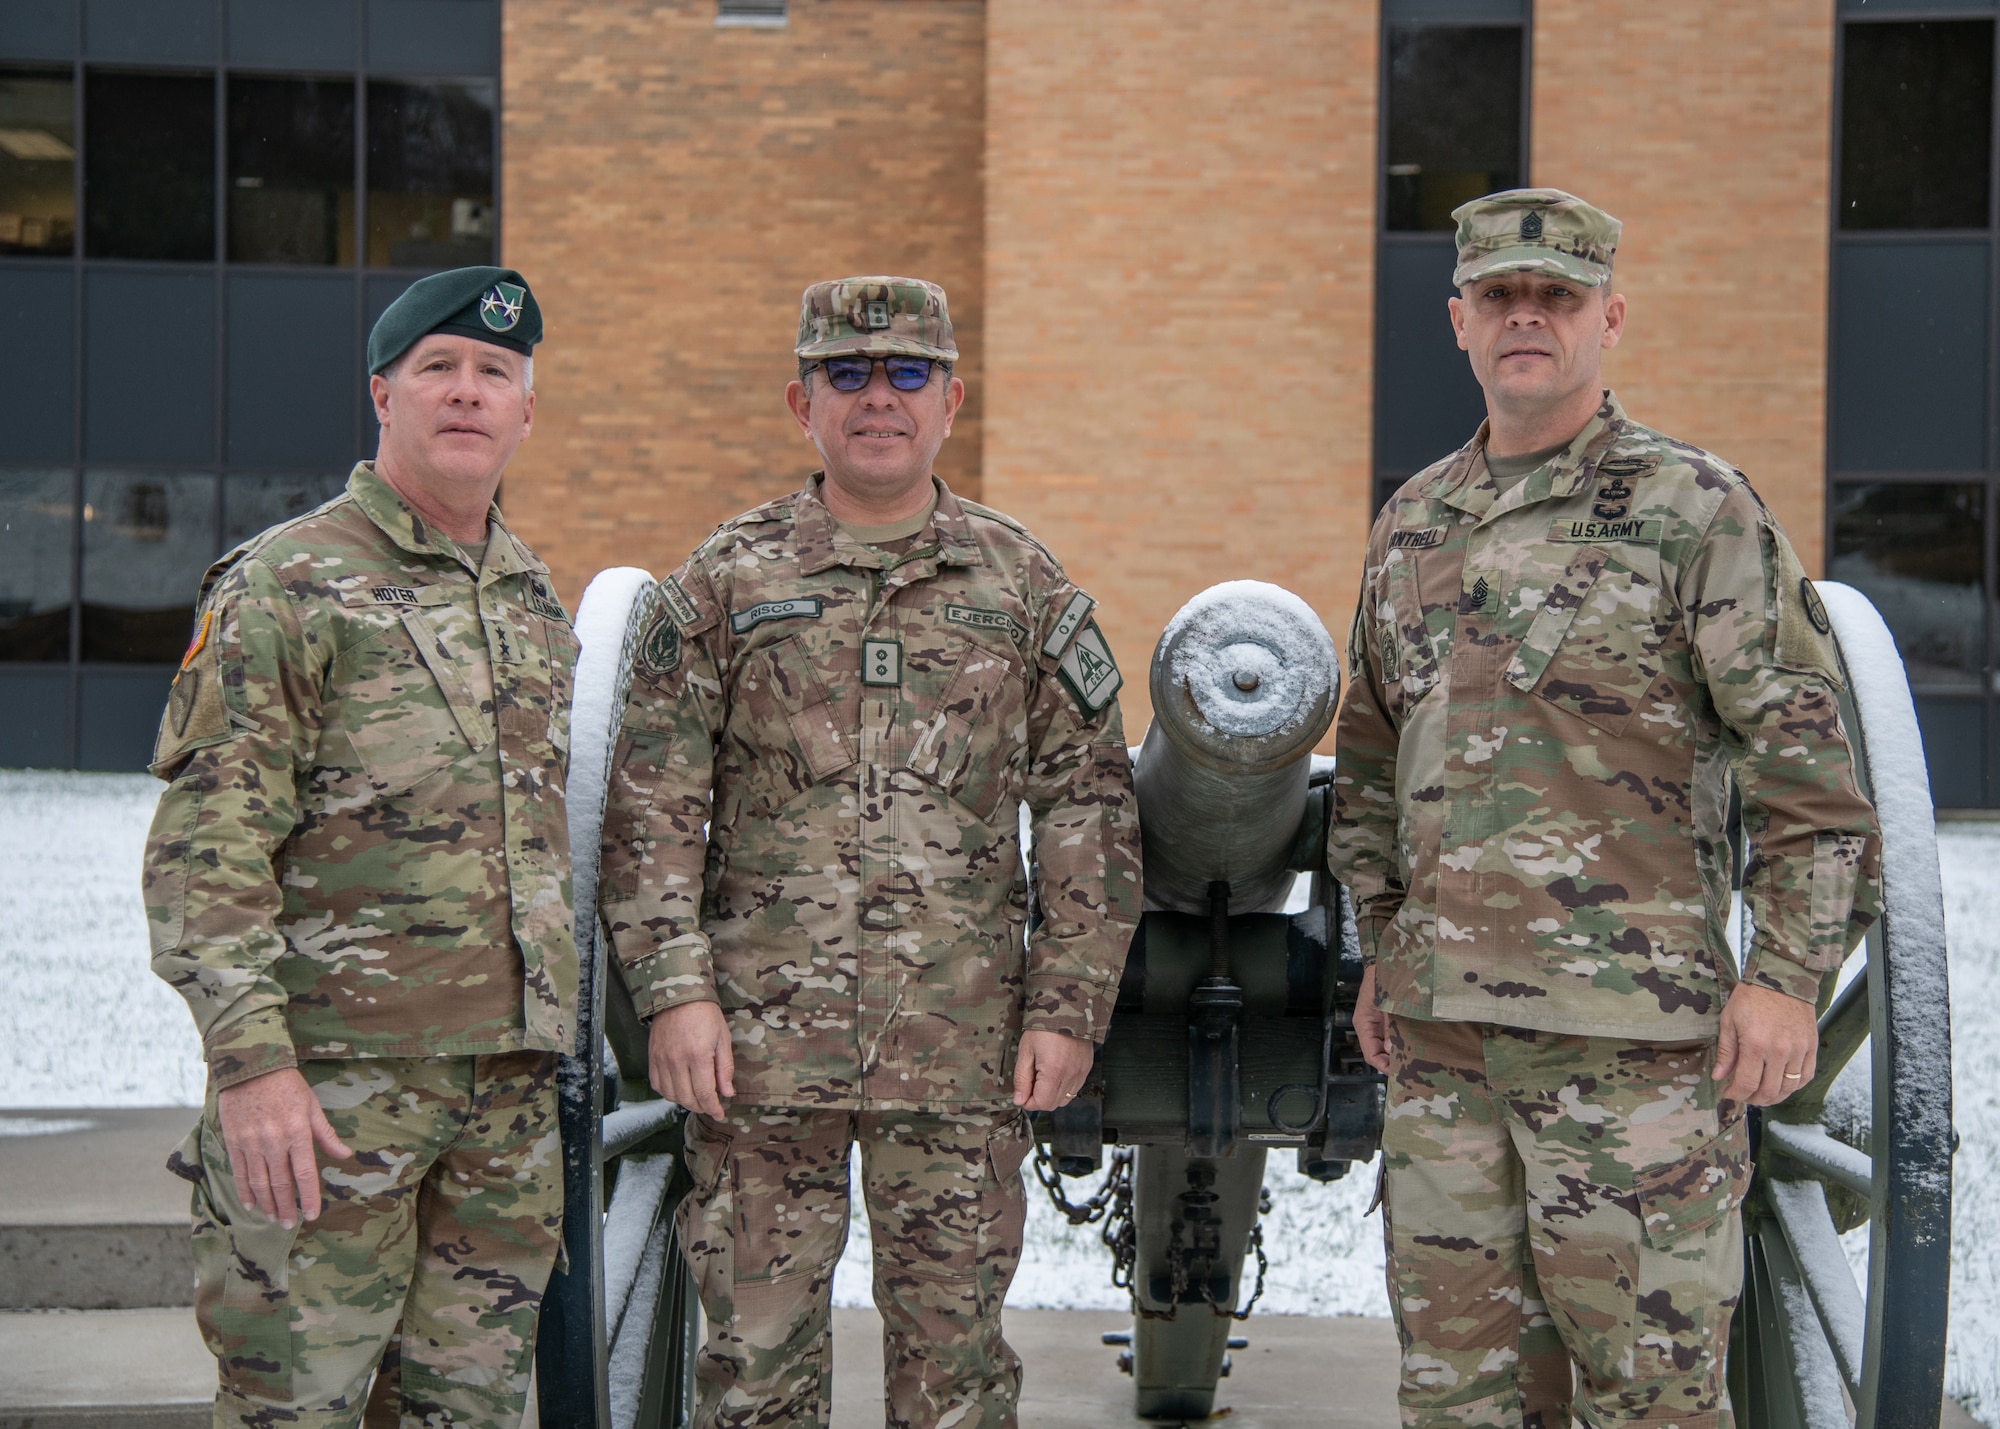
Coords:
pixel 472 721
pixel 1684 1198
pixel 788 674
pixel 1552 621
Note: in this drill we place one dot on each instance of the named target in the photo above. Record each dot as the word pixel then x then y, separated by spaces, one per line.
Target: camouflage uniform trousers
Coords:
pixel 766 1223
pixel 1554 1200
pixel 447 1218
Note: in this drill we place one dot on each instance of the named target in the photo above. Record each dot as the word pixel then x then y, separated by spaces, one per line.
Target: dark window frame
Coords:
pixel 78 672
pixel 1464 14
pixel 1985 758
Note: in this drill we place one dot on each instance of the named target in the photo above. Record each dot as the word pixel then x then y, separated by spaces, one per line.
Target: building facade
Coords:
pixel 1198 256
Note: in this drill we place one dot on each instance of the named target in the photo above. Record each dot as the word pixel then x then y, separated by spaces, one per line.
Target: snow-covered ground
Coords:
pixel 87 1025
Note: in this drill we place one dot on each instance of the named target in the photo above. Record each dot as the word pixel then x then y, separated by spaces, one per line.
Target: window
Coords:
pixel 37 163
pixel 1454 106
pixel 1913 466
pixel 430 174
pixel 203 206
pixel 291 170
pixel 752 14
pixel 149 166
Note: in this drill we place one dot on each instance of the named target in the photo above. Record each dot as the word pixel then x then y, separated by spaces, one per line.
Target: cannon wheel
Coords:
pixel 1807 1347
pixel 618 1334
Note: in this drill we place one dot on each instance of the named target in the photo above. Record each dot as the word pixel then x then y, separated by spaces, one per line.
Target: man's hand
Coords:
pixel 689 1058
pixel 1371 1024
pixel 1049 1069
pixel 1771 1043
pixel 269 1125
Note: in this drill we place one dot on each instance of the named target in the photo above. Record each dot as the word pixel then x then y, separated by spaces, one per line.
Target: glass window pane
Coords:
pixel 1916 124
pixel 1454 119
pixel 149 165
pixel 1953 731
pixel 292 369
pixel 1915 550
pixel 1427 402
pixel 1909 355
pixel 147 538
pixel 37 163
pixel 37 521
pixel 433 36
pixel 118 716
pixel 38 362
pixel 291 170
pixel 254 504
pixel 35 733
pixel 38 30
pixel 283 34
pixel 149 366
pixel 430 174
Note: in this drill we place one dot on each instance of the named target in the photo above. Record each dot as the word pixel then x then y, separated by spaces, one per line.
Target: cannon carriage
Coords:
pixel 1233 1037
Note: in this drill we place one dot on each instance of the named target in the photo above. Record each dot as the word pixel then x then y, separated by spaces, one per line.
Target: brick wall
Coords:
pixel 669 188
pixel 1180 288
pixel 1706 127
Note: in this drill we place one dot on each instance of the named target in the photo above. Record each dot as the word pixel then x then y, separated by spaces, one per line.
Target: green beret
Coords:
pixel 491 304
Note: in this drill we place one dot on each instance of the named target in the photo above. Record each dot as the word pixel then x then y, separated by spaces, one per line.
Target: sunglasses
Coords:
pixel 851 374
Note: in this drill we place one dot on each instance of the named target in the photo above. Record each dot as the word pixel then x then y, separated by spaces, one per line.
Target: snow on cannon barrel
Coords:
pixel 1233 1029
pixel 1244 684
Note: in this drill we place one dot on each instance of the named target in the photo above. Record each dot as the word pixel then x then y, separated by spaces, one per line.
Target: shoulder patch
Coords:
pixel 1417 540
pixel 679 606
pixel 805 607
pixel 543 601
pixel 195 714
pixel 1089 671
pixel 980 619
pixel 1803 639
pixel 1072 619
pixel 660 649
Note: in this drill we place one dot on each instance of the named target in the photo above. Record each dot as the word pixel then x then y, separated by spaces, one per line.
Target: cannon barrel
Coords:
pixel 1244 683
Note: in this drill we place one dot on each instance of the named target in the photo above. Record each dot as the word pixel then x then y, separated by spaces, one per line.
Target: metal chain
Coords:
pixel 1100 1204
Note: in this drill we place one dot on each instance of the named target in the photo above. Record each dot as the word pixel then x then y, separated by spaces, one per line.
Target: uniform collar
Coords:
pixel 380 503
pixel 1465 484
pixel 823 545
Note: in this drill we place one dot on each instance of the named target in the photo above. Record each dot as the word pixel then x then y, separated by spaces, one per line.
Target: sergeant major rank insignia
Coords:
pixel 1089 671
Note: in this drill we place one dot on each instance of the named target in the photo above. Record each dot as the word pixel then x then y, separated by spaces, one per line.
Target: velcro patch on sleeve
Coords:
pixel 1804 637
pixel 1089 671
pixel 980 619
pixel 660 649
pixel 679 606
pixel 1072 619
pixel 195 713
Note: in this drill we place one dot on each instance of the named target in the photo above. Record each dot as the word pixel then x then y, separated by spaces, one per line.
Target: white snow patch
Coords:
pixel 1253 629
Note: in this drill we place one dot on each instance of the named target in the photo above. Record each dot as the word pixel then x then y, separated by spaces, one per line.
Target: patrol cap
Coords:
pixel 878 317
pixel 1535 231
pixel 491 304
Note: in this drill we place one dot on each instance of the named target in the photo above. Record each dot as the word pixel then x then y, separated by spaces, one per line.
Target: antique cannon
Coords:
pixel 1233 1035
pixel 1233 1029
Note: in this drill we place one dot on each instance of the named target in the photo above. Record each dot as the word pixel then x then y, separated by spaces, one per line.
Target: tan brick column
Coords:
pixel 1707 127
pixel 1180 297
pixel 669 189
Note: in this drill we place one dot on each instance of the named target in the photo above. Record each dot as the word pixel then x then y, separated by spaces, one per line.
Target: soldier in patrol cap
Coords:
pixel 359 879
pixel 813 880
pixel 1576 639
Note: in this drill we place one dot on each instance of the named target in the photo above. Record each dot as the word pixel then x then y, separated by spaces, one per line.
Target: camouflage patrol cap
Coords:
pixel 491 304
pixel 1535 231
pixel 877 317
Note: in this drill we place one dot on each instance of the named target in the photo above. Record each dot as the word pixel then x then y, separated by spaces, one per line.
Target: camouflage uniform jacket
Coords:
pixel 1550 691
pixel 867 727
pixel 362 850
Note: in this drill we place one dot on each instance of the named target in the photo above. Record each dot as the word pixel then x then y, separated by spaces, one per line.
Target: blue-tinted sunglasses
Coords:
pixel 851 374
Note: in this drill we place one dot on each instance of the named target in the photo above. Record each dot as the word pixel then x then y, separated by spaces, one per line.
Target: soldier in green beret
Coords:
pixel 1576 639
pixel 813 881
pixel 358 877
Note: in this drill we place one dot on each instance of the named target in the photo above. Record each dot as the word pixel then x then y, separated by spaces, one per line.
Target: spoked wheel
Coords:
pixel 1869 1139
pixel 618 1332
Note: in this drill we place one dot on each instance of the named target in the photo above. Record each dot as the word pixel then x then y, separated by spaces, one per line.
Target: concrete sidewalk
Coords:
pixel 1297 1372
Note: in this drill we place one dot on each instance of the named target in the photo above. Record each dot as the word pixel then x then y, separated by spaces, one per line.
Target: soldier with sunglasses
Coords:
pixel 813 880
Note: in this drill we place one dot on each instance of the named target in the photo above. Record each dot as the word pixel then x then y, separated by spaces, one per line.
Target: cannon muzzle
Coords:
pixel 1244 683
